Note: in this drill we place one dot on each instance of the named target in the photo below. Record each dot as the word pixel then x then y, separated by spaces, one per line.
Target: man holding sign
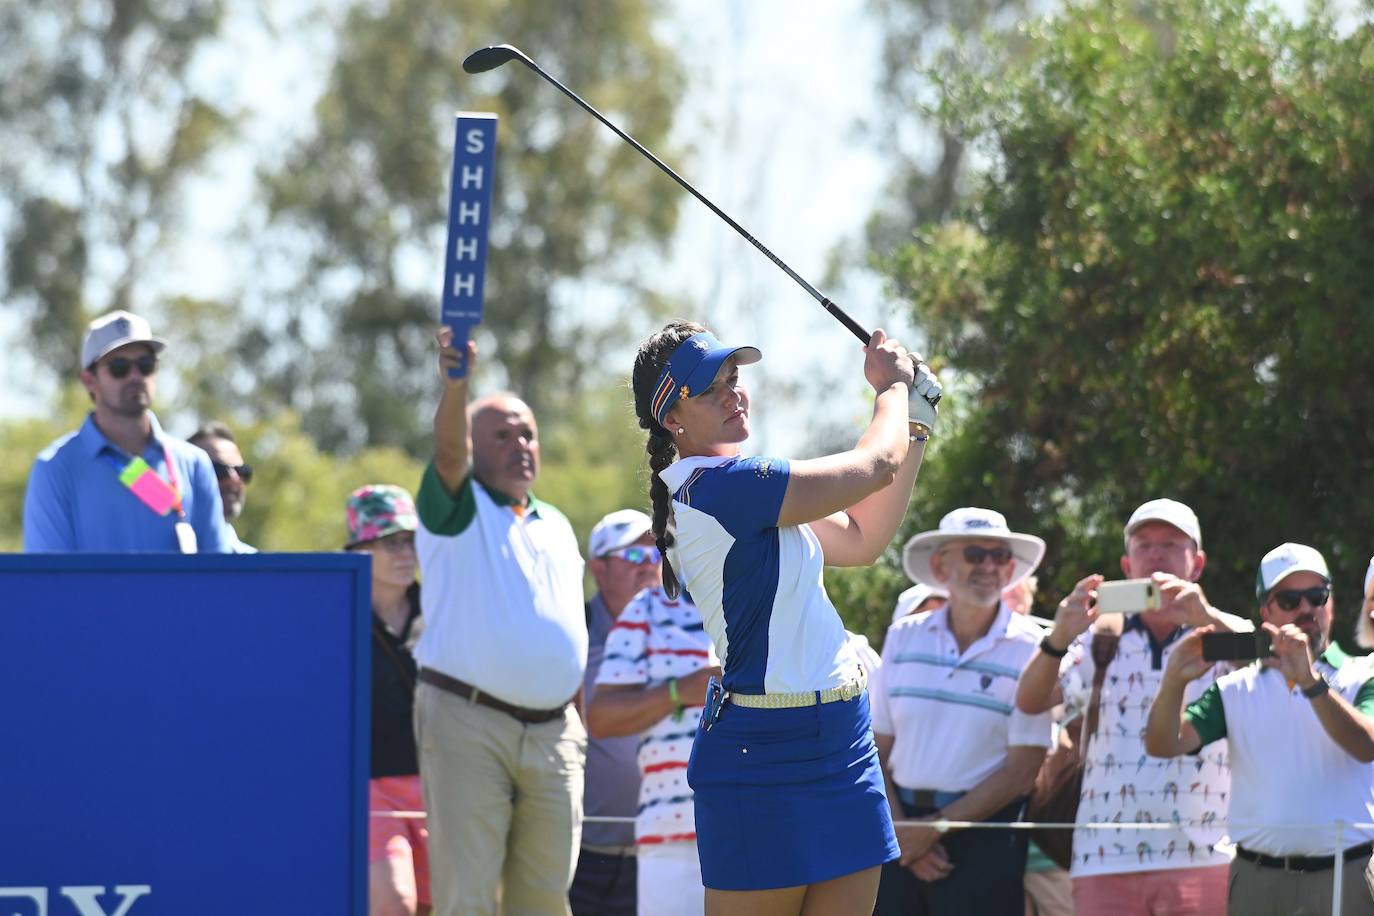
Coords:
pixel 502 748
pixel 120 484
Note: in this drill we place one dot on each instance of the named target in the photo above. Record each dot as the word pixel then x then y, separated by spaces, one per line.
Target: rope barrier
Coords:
pixel 1341 826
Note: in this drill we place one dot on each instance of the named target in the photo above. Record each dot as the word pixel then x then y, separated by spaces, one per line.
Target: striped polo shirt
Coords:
pixel 653 639
pixel 952 714
pixel 503 593
pixel 759 587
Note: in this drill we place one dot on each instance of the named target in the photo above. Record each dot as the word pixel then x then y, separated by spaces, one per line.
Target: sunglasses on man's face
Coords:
pixel 121 365
pixel 245 471
pixel 1290 598
pixel 1000 556
pixel 636 555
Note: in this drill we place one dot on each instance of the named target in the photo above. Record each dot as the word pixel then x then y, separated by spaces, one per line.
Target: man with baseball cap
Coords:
pixel 1115 666
pixel 623 561
pixel 1299 727
pixel 120 484
pixel 649 688
pixel 953 745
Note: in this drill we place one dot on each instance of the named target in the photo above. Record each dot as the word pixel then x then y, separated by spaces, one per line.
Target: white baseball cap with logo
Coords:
pixel 1169 511
pixel 112 331
pixel 971 522
pixel 1283 561
pixel 619 529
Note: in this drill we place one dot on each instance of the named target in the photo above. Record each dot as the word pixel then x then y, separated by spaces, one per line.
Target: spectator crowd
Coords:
pixel 547 739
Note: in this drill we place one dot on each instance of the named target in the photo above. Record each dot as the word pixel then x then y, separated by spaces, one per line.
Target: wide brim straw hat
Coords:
pixel 962 524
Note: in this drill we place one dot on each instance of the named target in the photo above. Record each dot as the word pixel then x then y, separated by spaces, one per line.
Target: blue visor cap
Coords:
pixel 693 367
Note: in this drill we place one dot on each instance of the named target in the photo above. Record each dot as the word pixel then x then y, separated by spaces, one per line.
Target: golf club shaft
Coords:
pixel 840 315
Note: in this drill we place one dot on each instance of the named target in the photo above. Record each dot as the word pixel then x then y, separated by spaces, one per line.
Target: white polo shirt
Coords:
pixel 1286 771
pixel 953 715
pixel 502 594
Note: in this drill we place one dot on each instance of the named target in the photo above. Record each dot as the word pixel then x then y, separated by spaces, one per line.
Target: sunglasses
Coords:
pixel 245 471
pixel 636 555
pixel 1000 556
pixel 1290 598
pixel 119 366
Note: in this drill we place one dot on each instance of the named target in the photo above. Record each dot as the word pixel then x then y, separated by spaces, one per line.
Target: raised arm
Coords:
pixel 451 417
pixel 1349 727
pixel 1038 689
pixel 855 500
pixel 1167 732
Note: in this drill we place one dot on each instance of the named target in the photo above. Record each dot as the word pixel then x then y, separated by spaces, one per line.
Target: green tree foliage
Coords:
pixel 1163 289
pixel 100 127
pixel 920 39
pixel 361 203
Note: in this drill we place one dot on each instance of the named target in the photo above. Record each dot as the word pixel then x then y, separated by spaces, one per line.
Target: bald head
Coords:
pixel 505 444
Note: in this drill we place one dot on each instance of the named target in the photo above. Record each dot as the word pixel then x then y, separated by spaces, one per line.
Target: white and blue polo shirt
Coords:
pixel 759 587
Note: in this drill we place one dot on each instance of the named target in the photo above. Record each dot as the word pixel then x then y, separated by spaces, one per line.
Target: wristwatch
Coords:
pixel 1317 689
pixel 1048 648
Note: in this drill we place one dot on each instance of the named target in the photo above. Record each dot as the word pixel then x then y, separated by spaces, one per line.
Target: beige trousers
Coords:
pixel 1255 891
pixel 505 806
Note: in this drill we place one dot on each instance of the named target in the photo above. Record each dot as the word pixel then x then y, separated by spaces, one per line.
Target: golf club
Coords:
pixel 485 59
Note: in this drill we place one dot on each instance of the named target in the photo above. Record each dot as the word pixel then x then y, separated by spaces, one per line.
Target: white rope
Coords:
pixel 942 825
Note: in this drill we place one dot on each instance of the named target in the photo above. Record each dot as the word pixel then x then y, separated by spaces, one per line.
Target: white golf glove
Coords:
pixel 925 394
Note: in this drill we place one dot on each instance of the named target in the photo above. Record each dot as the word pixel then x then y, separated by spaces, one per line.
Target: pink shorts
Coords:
pixel 399 837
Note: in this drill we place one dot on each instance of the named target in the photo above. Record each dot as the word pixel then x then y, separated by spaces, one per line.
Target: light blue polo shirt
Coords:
pixel 75 502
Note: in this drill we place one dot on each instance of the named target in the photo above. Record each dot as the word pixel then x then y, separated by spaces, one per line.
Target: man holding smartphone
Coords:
pixel 1299 730
pixel 1138 871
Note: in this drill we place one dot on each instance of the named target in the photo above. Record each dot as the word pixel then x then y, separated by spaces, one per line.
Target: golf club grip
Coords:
pixel 840 315
pixel 843 317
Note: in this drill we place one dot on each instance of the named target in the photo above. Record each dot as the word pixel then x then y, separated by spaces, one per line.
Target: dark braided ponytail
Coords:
pixel 649 362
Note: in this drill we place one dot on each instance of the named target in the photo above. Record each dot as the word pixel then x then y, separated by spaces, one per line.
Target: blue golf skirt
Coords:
pixel 786 797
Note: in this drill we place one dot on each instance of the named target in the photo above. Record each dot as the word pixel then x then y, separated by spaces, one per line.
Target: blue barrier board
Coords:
pixel 184 734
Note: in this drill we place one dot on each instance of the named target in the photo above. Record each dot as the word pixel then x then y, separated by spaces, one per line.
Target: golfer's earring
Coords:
pixel 680 430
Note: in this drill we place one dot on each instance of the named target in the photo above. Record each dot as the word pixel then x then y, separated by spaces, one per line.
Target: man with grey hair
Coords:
pixel 120 484
pixel 502 747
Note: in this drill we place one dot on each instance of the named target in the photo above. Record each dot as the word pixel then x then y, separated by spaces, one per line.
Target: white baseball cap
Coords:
pixel 1283 561
pixel 971 522
pixel 1169 511
pixel 112 331
pixel 1369 575
pixel 913 597
pixel 619 529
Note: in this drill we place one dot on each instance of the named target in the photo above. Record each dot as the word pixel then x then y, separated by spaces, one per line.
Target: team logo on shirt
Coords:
pixel 764 468
pixel 985 682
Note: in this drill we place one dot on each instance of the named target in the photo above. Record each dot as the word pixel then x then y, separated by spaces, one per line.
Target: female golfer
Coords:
pixel 791 815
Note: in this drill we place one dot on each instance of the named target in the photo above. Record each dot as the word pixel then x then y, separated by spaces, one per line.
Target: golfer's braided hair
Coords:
pixel 649 362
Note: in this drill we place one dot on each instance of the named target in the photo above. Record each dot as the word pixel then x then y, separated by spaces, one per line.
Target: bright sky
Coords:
pixel 773 108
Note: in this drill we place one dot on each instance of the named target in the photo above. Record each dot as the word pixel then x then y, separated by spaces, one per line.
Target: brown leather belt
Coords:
pixel 468 692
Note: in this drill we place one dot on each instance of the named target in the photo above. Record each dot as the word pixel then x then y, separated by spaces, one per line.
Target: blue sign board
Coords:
pixel 469 216
pixel 184 734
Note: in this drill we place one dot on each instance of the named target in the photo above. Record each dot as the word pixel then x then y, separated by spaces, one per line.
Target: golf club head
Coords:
pixel 484 59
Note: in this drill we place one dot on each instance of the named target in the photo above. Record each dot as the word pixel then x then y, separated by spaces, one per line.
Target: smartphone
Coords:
pixel 1236 647
pixel 1127 596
